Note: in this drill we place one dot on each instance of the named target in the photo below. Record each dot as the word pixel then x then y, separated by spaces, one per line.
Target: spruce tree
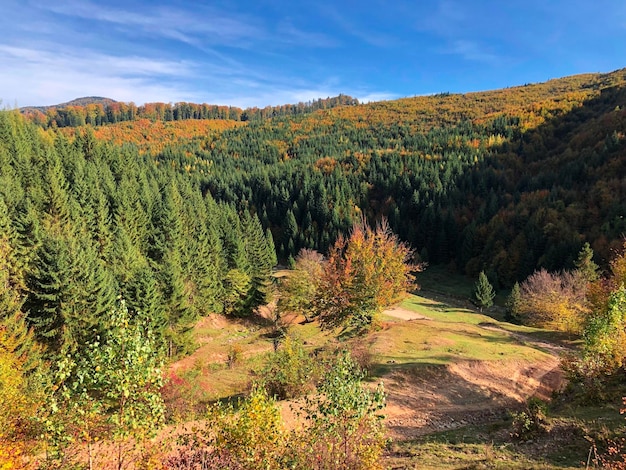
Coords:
pixel 513 304
pixel 585 265
pixel 483 292
pixel 260 259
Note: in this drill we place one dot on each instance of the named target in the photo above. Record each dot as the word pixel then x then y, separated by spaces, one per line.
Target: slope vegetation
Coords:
pixel 505 181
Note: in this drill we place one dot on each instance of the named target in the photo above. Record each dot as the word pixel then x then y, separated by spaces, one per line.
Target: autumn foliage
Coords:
pixel 554 300
pixel 367 271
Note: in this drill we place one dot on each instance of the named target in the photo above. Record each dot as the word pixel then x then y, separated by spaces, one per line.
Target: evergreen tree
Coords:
pixel 145 302
pixel 585 265
pixel 179 315
pixel 513 304
pixel 69 293
pixel 483 292
pixel 260 259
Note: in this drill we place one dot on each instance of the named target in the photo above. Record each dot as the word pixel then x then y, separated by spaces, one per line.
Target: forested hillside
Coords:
pixel 505 181
pixel 122 226
pixel 84 222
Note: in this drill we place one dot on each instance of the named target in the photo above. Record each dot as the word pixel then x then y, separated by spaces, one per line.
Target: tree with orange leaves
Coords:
pixel 365 272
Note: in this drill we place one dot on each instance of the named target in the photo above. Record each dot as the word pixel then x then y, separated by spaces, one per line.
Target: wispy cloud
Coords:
pixel 366 33
pixel 45 77
pixel 40 74
pixel 293 35
pixel 205 25
pixel 447 19
pixel 470 50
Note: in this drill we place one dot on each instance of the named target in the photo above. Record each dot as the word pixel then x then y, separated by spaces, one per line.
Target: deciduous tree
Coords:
pixel 367 271
pixel 553 300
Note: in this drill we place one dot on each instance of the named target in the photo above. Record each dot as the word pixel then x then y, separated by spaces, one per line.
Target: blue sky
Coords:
pixel 268 52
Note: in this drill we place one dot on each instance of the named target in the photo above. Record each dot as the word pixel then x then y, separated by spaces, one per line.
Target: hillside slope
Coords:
pixel 505 181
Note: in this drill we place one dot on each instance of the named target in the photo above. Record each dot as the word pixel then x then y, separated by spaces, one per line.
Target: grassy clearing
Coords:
pixel 490 447
pixel 452 333
pixel 432 342
pixel 447 310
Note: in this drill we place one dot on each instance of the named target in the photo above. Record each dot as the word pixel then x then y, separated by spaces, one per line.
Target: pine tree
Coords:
pixel 483 292
pixel 69 293
pixel 513 304
pixel 585 265
pixel 179 315
pixel 145 301
pixel 260 259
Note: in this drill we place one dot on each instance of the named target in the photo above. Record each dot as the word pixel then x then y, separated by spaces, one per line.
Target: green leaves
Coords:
pixel 111 390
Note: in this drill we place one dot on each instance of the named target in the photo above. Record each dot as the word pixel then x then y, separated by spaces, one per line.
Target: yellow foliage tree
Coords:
pixel 366 272
pixel 554 300
pixel 18 403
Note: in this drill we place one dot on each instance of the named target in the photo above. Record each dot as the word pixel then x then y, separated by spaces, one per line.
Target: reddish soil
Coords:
pixel 423 401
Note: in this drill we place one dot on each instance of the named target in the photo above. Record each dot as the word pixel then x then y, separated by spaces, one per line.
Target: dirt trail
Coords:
pixel 422 401
pixel 404 314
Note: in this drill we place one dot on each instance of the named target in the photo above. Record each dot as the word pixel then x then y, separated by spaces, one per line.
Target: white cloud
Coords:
pixel 41 77
pixel 470 50
pixel 35 76
pixel 204 26
pixel 376 96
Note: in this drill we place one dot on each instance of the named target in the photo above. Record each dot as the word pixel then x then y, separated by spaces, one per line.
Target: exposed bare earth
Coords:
pixel 467 392
pixel 404 314
pixel 436 398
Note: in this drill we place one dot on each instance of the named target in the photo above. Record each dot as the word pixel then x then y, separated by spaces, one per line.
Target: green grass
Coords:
pixel 490 447
pixel 439 279
pixel 432 342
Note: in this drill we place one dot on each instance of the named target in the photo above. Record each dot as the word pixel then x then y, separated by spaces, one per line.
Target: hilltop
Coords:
pixel 84 101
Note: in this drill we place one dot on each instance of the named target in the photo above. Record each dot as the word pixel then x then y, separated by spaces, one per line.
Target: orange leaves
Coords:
pixel 326 165
pixel 365 272
pixel 152 137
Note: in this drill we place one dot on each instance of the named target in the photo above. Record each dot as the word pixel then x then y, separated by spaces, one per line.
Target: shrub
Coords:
pixel 289 372
pixel 235 354
pixel 247 437
pixel 346 429
pixel 553 300
pixel 530 422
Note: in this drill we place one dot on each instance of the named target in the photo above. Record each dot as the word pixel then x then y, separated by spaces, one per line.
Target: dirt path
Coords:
pixel 404 314
pixel 422 401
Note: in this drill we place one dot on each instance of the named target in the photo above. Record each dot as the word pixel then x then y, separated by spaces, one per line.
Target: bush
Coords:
pixel 346 428
pixel 530 422
pixel 289 372
pixel 341 428
pixel 235 354
pixel 249 436
pixel 589 373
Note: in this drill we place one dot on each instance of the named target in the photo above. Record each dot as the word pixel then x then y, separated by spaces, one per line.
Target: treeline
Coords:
pixel 83 223
pixel 97 114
